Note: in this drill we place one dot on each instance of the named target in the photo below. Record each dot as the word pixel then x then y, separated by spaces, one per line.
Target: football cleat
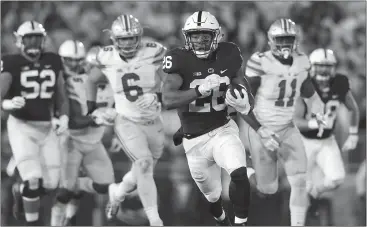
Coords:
pixel 225 222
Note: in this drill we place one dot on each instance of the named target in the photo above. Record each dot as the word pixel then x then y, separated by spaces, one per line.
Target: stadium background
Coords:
pixel 340 26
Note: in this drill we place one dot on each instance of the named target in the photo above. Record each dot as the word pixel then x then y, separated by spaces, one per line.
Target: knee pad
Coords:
pixel 268 189
pixel 333 184
pixel 144 165
pixel 32 188
pixel 298 180
pixel 214 195
pixel 64 195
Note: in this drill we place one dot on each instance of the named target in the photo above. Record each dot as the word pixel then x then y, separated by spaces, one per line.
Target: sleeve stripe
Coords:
pixel 250 73
pixel 254 70
pixel 257 69
pixel 162 50
pixel 251 60
pixel 250 64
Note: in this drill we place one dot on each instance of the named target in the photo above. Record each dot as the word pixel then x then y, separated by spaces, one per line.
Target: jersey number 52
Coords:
pixel 36 89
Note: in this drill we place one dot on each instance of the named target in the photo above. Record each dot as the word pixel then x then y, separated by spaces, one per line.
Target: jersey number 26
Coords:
pixel 29 80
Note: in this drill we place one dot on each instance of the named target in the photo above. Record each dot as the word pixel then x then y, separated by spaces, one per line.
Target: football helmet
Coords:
pixel 323 67
pixel 30 38
pixel 202 33
pixel 72 53
pixel 283 37
pixel 126 32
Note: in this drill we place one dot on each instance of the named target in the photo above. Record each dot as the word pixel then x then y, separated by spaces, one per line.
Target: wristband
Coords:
pixel 353 130
pixel 312 124
pixel 197 91
pixel 7 104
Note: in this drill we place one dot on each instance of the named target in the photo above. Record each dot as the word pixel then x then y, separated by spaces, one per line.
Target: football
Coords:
pixel 233 87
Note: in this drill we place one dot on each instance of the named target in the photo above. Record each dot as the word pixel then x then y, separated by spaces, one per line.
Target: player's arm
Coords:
pixel 94 78
pixel 62 107
pixel 252 75
pixel 172 97
pixel 157 61
pixel 5 83
pixel 77 119
pixel 299 116
pixel 352 106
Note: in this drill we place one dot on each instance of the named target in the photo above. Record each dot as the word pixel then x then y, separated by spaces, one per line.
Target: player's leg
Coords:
pixel 293 155
pixel 155 137
pixel 23 141
pixel 70 173
pixel 330 161
pixel 229 153
pixel 136 146
pixel 99 169
pixel 206 174
pixel 263 161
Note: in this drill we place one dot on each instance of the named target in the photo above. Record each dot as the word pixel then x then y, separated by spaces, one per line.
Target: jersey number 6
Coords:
pixel 132 92
pixel 29 80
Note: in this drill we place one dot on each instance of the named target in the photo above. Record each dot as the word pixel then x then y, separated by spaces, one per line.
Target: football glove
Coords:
pixel 104 116
pixel 240 104
pixel 210 82
pixel 268 138
pixel 15 103
pixel 350 143
pixel 146 100
pixel 60 124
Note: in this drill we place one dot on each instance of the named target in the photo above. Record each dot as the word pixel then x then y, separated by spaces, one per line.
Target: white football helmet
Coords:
pixel 72 53
pixel 126 32
pixel 30 38
pixel 283 37
pixel 323 66
pixel 202 22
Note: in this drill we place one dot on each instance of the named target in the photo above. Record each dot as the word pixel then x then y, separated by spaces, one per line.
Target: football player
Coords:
pixel 277 77
pixel 196 84
pixel 32 89
pixel 133 69
pixel 325 166
pixel 84 143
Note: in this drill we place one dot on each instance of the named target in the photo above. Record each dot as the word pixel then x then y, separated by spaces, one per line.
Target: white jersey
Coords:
pixel 76 90
pixel 132 78
pixel 279 88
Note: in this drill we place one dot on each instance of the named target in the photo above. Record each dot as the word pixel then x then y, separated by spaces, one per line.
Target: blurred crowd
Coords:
pixel 340 26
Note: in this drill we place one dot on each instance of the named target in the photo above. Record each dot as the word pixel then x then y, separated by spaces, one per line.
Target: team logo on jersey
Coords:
pixel 334 96
pixel 37 65
pixel 119 70
pixel 210 70
pixel 197 73
pixel 25 68
pixel 223 71
pixel 47 66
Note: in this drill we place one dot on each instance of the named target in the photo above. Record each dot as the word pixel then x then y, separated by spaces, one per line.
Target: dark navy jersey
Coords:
pixel 35 81
pixel 339 87
pixel 204 114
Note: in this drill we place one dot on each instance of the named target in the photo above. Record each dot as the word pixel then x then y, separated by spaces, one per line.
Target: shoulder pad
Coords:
pixel 153 51
pixel 173 61
pixel 340 84
pixel 105 54
pixel 254 66
pixel 53 56
pixel 9 61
